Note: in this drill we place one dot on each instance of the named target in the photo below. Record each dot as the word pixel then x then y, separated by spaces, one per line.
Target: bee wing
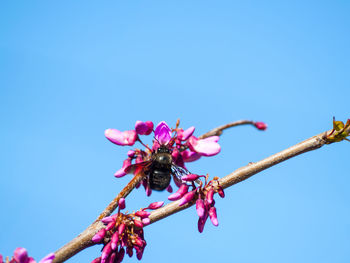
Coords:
pixel 137 166
pixel 178 172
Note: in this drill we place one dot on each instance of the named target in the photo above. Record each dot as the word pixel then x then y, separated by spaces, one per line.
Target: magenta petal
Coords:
pixel 187 198
pixel 156 205
pixel 99 236
pixel 106 251
pixel 212 139
pixel 184 135
pixel 121 203
pixel 200 207
pixel 204 147
pixel 162 133
pixel 146 221
pixel 20 255
pixel 114 240
pixel 189 156
pixel 48 259
pixel 190 177
pixel 121 138
pixel 183 189
pixel 142 214
pixel 213 216
pixel 144 128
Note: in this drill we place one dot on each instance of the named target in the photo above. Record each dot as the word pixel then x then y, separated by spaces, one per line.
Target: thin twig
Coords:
pixel 247 171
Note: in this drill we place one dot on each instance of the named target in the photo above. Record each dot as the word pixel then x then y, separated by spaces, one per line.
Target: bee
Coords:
pixel 159 169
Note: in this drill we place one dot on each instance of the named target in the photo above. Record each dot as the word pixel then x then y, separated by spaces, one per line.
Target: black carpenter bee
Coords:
pixel 159 169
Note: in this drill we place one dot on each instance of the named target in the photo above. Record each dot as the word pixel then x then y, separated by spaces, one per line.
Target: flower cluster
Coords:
pixel 204 196
pixel 20 255
pixel 184 147
pixel 123 233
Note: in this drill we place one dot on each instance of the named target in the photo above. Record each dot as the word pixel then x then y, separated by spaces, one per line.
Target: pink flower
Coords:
pixel 162 133
pixel 189 177
pixel 156 205
pixel 106 251
pixel 187 198
pixel 121 172
pixel 205 147
pixel 99 236
pixel 48 259
pixel 189 156
pixel 142 214
pixel 183 189
pixel 144 128
pixel 121 138
pixel 200 207
pixel 213 216
pixel 20 255
pixel 146 221
pixel 114 240
pixel 121 203
pixel 184 135
pixel 260 125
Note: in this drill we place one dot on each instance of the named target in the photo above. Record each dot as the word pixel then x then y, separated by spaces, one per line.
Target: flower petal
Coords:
pixel 121 138
pixel 144 128
pixel 162 133
pixel 205 147
pixel 20 255
pixel 48 259
pixel 183 135
pixel 189 156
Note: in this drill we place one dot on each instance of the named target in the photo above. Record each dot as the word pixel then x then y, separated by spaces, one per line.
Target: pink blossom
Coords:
pixel 156 205
pixel 187 198
pixel 112 257
pixel 121 172
pixel 120 255
pixel 189 177
pixel 183 189
pixel 20 255
pixel 146 221
pixel 169 189
pixel 162 133
pixel 99 235
pixel 96 260
pixel 142 214
pixel 260 125
pixel 138 223
pixel 121 138
pixel 205 147
pixel 131 153
pixel 121 203
pixel 209 197
pixel 183 135
pixel 106 251
pixel 189 156
pixel 200 207
pixel 121 228
pixel 213 216
pixel 221 192
pixel 48 259
pixel 110 226
pixel 201 222
pixel 144 128
pixel 114 240
pixel 108 219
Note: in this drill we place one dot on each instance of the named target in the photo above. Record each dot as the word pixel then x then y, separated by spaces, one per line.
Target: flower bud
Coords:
pixel 144 128
pixel 169 189
pixel 213 216
pixel 99 235
pixel 114 240
pixel 96 260
pixel 138 223
pixel 189 177
pixel 200 207
pixel 210 195
pixel 187 198
pixel 179 193
pixel 110 226
pixel 142 214
pixel 146 221
pixel 156 205
pixel 121 228
pixel 20 255
pixel 120 255
pixel 121 203
pixel 106 251
pixel 260 125
pixel 129 251
pixel 221 192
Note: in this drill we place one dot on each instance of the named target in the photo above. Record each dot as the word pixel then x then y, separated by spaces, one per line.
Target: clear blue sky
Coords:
pixel 71 69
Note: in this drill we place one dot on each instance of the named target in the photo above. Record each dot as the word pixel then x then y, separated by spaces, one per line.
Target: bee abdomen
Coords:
pixel 159 179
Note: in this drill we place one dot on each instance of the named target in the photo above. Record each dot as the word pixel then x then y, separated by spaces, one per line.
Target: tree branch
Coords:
pixel 83 240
